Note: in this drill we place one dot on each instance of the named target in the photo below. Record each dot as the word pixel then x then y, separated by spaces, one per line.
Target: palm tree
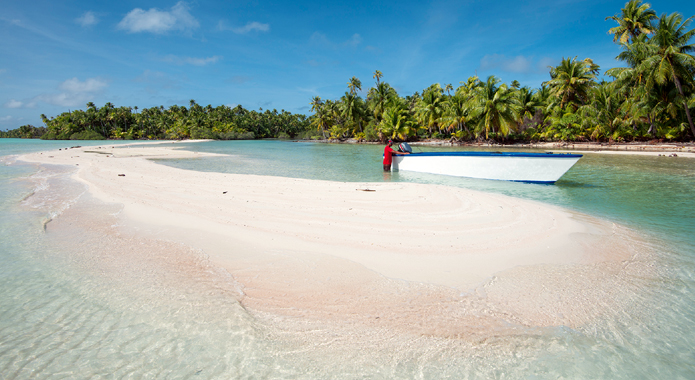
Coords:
pixel 352 109
pixel 604 110
pixel 670 60
pixel 565 125
pixel 571 80
pixel 354 85
pixel 650 106
pixel 469 84
pixel 455 113
pixel 377 75
pixel 316 104
pixel 495 108
pixel 430 107
pixel 378 97
pixel 529 105
pixel 635 19
pixel 397 122
pixel 457 108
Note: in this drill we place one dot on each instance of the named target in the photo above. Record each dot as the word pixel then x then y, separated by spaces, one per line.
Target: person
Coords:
pixel 388 155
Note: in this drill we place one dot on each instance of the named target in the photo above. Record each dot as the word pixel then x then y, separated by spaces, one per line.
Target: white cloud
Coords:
pixel 321 39
pixel 87 19
pixel 249 27
pixel 518 64
pixel 191 60
pixel 159 22
pixel 6 118
pixel 75 93
pixel 355 40
pixel 90 85
pixel 14 104
pixel 239 79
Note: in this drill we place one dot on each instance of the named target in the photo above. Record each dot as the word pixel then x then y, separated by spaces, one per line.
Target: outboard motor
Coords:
pixel 404 147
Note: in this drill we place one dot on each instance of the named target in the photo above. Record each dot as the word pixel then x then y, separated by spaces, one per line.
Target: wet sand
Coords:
pixel 422 259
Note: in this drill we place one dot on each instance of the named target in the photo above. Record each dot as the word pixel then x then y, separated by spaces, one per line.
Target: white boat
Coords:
pixel 505 166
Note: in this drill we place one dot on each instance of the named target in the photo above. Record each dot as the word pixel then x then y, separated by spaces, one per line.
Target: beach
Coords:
pixel 425 260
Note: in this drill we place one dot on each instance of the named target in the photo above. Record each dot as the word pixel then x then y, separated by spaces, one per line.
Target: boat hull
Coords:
pixel 521 167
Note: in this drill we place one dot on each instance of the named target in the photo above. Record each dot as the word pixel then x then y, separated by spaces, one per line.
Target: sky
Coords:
pixel 56 56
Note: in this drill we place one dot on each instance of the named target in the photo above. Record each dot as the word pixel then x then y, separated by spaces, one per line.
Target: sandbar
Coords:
pixel 424 259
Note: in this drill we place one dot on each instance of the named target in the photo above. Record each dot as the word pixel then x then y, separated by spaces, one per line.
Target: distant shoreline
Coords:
pixel 645 148
pixel 640 148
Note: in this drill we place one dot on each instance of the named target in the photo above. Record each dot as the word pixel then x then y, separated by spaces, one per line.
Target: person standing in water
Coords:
pixel 388 155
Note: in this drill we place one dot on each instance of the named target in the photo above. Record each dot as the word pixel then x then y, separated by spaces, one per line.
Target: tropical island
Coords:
pixel 650 98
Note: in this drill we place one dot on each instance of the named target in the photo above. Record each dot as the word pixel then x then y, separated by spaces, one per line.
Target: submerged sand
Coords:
pixel 425 259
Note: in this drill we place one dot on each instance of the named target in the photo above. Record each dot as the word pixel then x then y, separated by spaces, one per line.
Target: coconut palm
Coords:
pixel 670 60
pixel 565 125
pixel 651 107
pixel 571 80
pixel 634 20
pixel 322 118
pixel 455 113
pixel 316 104
pixel 528 103
pixel 378 97
pixel 495 108
pixel 352 110
pixel 430 107
pixel 397 122
pixel 468 86
pixel 604 111
pixel 377 75
pixel 354 85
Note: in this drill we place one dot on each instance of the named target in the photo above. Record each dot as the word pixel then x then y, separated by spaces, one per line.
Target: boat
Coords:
pixel 505 166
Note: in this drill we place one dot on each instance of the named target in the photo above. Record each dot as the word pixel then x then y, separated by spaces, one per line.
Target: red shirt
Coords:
pixel 388 155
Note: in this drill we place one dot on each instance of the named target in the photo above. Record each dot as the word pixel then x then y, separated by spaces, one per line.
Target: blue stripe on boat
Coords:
pixel 498 154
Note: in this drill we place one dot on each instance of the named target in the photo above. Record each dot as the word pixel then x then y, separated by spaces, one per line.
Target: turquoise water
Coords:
pixel 79 303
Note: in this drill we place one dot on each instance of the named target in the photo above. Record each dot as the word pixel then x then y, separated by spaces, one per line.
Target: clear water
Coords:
pixel 77 302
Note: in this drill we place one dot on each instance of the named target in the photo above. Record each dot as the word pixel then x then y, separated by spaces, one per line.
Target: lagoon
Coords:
pixel 69 310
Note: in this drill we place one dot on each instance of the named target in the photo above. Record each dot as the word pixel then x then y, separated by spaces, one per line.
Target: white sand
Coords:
pixel 430 259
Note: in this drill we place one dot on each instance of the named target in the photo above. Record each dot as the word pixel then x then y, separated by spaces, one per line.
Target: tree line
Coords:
pixel 651 97
pixel 175 122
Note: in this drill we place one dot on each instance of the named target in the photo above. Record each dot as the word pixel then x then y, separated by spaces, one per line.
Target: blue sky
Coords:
pixel 56 56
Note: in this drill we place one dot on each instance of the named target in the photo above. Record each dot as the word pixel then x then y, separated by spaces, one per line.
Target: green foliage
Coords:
pixel 176 122
pixel 495 109
pixel 87 135
pixel 24 132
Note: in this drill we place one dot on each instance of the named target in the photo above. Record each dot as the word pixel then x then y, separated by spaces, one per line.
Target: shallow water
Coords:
pixel 78 301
